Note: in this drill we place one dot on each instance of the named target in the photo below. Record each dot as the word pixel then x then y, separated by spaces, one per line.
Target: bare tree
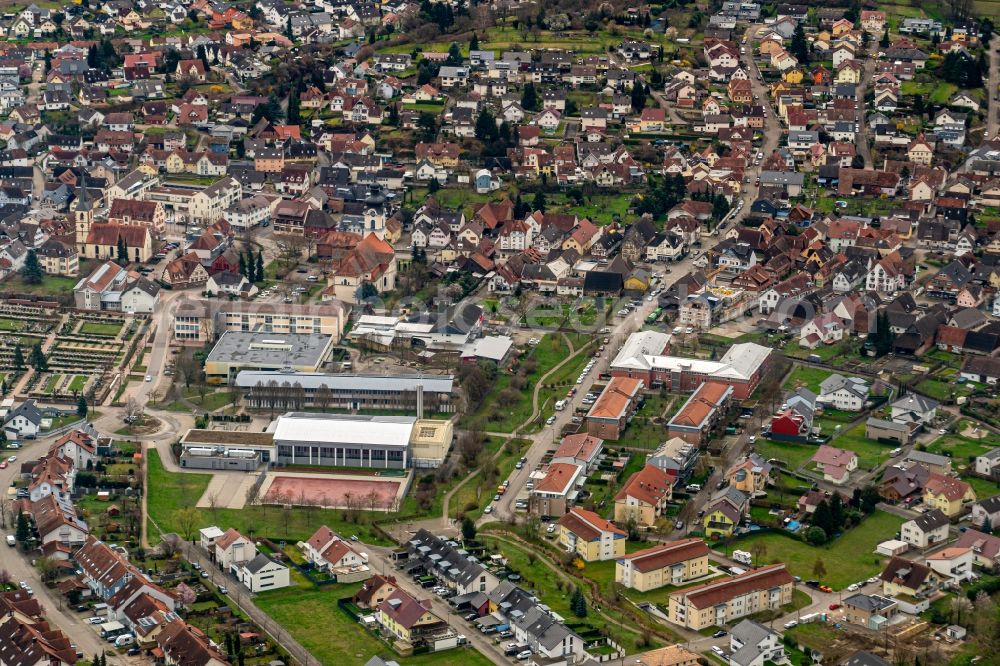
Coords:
pixel 187 519
pixel 169 546
pixel 323 398
pixel 213 505
pixel 133 412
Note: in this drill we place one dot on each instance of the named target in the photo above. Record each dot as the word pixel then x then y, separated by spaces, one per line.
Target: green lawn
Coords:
pixel 167 493
pixel 209 403
pixel 802 375
pixel 847 560
pixel 431 107
pixel 97 328
pixel 333 637
pixel 870 452
pixel 77 383
pixel 51 285
pixel 793 455
pixel 11 324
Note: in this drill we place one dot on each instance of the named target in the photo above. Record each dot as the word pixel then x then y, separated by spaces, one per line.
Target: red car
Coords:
pixel 825 588
pixel 834 606
pixel 3 465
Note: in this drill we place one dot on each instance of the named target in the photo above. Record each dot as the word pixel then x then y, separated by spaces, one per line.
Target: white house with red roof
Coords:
pixel 329 551
pixel 233 548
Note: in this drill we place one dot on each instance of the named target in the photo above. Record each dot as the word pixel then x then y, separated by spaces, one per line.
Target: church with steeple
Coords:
pixel 83 215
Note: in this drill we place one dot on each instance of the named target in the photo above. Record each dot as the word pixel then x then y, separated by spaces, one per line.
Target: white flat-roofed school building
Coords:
pixel 379 442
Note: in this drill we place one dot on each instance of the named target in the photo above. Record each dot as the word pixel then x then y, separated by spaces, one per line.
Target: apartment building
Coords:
pixel 673 563
pixel 727 599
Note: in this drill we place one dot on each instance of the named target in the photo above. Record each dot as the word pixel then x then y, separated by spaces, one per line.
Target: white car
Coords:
pixel 488 509
pixel 149 378
pixel 12 459
pixel 853 587
pixel 95 620
pixel 550 420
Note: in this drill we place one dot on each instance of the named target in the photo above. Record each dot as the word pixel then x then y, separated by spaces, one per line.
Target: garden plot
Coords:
pixel 56 384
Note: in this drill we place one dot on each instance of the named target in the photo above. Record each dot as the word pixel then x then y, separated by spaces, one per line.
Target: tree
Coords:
pixel 800 47
pixel 122 252
pixel 32 269
pixel 474 42
pixel 529 97
pixel 48 61
pixel 720 207
pixel 47 568
pixel 486 125
pixel 22 532
pixel 837 516
pixel 186 520
pixel 366 291
pixel 259 270
pixel 538 203
pixel 18 360
pixel 816 535
pixel 884 41
pixel 454 55
pixel 638 97
pixel 133 411
pixel 468 528
pixel 578 603
pixel 81 405
pixel 38 359
pixel 393 119
pixel 819 568
pixel 427 125
pixel 243 266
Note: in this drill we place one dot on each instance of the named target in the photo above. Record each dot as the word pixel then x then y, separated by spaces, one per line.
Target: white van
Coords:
pixel 11 541
pixel 560 405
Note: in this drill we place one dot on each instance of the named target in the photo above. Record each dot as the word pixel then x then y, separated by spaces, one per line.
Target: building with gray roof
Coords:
pixel 419 393
pixel 247 350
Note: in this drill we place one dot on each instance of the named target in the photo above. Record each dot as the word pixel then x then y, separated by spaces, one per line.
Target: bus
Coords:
pixel 654 315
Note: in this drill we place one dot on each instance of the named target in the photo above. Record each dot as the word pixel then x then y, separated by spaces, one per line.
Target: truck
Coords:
pixel 743 557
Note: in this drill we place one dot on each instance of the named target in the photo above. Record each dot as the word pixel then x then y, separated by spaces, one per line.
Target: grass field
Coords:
pixel 847 559
pixel 210 403
pixel 870 452
pixel 331 635
pixel 802 375
pixel 97 328
pixel 167 493
pixel 11 324
pixel 793 455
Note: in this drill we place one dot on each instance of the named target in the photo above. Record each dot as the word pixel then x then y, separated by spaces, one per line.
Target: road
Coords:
pixel 864 147
pixel 992 86
pixel 772 125
pixel 19 566
pixel 548 438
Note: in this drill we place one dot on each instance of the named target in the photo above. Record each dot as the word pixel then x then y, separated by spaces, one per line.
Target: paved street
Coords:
pixel 992 84
pixel 19 566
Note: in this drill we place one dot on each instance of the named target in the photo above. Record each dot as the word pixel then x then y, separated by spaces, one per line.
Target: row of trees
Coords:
pixel 252 268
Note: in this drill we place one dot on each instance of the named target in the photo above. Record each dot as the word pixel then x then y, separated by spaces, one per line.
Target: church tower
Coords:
pixel 84 214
